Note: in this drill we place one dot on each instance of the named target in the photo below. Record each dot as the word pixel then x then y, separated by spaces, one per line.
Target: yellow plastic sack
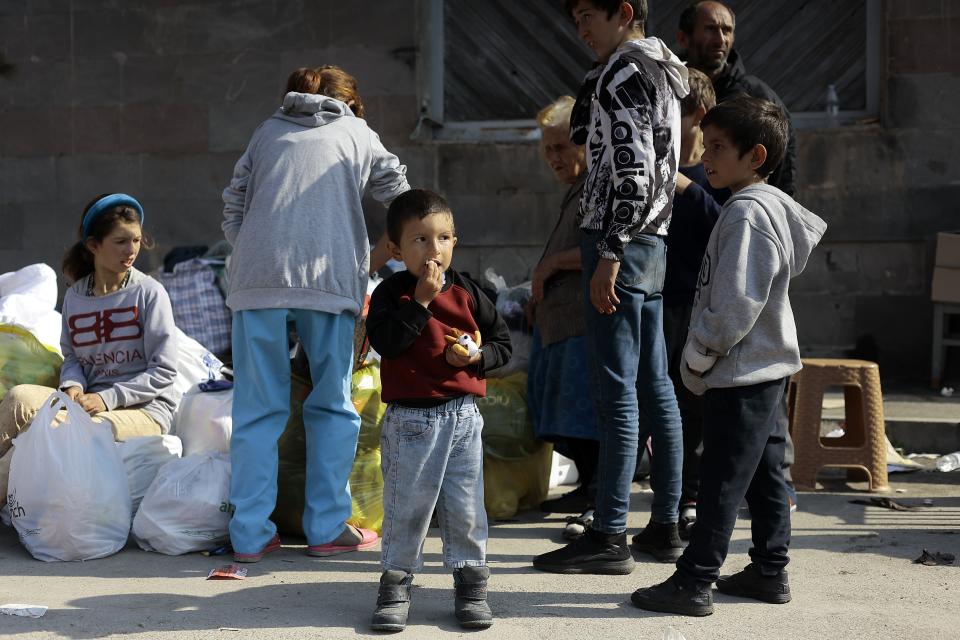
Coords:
pixel 507 426
pixel 510 486
pixel 366 480
pixel 366 489
pixel 24 360
pixel 365 390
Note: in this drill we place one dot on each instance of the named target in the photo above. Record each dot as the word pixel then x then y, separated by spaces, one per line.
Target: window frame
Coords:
pixel 430 88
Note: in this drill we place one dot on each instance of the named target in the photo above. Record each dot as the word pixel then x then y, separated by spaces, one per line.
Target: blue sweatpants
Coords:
pixel 261 407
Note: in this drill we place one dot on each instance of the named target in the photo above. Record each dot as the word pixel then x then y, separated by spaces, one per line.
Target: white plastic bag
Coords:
pixel 187 507
pixel 27 299
pixel 68 494
pixel 203 421
pixel 142 458
pixel 195 364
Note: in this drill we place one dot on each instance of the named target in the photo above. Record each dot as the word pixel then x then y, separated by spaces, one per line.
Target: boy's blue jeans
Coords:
pixel 630 385
pixel 261 407
pixel 433 458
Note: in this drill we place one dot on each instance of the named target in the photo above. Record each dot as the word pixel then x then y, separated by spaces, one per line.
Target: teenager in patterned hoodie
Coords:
pixel 628 115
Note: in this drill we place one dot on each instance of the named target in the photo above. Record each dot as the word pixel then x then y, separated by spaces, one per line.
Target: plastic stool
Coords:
pixel 864 444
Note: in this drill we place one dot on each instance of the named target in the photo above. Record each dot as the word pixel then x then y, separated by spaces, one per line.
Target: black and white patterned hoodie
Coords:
pixel 628 115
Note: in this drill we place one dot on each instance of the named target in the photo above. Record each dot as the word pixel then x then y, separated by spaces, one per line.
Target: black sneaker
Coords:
pixel 750 583
pixel 577 501
pixel 662 541
pixel 595 552
pixel 673 597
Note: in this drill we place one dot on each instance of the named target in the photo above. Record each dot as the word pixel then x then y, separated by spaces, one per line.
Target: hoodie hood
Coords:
pixel 655 49
pixel 800 230
pixel 311 110
pixel 742 313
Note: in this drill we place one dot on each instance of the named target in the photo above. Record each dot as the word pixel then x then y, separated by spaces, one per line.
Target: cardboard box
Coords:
pixel 946 285
pixel 948 249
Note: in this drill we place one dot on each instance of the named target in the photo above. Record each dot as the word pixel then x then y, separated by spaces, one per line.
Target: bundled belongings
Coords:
pixel 187 508
pixel 195 364
pixel 25 360
pixel 366 480
pixel 204 421
pixel 516 466
pixel 68 494
pixel 28 299
pixel 198 304
pixel 142 458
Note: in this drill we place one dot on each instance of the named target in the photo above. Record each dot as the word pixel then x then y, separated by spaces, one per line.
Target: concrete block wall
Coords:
pixel 159 98
pixel 886 190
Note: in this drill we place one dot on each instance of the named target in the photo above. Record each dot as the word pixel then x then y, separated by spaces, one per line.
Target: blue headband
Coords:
pixel 105 203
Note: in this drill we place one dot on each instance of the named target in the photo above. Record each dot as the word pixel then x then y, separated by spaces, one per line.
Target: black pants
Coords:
pixel 676 319
pixel 744 432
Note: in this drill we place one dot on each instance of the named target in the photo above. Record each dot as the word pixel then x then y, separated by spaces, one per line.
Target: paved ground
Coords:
pixel 851 576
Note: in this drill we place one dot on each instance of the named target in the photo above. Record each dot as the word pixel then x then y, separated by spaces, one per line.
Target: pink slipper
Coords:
pixel 369 539
pixel 273 545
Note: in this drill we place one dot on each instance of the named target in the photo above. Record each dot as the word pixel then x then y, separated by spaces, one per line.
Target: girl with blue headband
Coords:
pixel 118 338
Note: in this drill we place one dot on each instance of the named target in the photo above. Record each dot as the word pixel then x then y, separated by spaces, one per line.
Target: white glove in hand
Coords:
pixel 697 362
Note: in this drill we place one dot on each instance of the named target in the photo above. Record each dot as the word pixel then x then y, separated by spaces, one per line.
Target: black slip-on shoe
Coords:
pixel 750 583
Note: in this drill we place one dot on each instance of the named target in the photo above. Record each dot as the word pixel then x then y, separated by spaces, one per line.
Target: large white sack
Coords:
pixel 195 364
pixel 142 459
pixel 36 280
pixel 68 494
pixel 203 421
pixel 187 507
pixel 28 298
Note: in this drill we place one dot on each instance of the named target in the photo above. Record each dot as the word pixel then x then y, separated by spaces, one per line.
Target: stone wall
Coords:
pixel 159 98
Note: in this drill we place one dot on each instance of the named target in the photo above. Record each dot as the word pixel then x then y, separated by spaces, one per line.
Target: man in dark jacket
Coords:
pixel 706 33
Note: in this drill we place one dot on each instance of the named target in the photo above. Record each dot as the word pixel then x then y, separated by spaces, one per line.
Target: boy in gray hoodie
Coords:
pixel 741 349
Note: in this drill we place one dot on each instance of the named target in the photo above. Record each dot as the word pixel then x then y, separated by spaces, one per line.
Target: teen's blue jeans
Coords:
pixel 261 407
pixel 433 458
pixel 630 384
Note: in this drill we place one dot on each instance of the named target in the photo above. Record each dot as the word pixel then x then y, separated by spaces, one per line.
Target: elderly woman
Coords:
pixel 562 412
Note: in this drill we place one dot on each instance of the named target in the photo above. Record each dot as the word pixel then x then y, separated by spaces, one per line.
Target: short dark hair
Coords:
pixel 701 93
pixel 749 122
pixel 640 9
pixel 688 17
pixel 416 203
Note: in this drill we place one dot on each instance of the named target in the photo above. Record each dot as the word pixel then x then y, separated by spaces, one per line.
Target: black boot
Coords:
pixel 662 541
pixel 470 605
pixel 750 583
pixel 673 597
pixel 594 552
pixel 393 601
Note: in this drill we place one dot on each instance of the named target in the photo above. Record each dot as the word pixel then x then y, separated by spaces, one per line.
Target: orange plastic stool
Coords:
pixel 863 445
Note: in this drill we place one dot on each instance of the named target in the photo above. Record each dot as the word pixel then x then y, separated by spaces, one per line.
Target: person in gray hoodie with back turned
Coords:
pixel 301 254
pixel 742 348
